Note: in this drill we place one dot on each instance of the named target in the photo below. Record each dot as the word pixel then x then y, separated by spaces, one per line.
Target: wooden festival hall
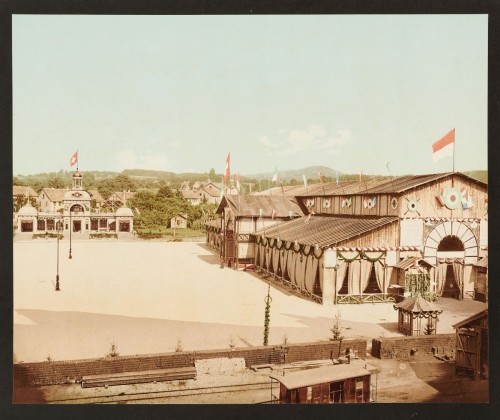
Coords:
pixel 358 240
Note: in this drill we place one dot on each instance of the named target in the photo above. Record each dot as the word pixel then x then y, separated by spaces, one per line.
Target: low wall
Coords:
pixel 59 372
pixel 400 347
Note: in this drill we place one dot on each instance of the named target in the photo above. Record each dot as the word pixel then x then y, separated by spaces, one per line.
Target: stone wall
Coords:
pixel 59 372
pixel 401 347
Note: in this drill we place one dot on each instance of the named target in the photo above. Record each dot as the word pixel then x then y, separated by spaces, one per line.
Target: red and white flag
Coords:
pixel 227 171
pixel 444 147
pixel 273 215
pixel 73 159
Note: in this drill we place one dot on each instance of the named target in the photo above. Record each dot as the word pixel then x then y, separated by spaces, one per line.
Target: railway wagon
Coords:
pixel 344 383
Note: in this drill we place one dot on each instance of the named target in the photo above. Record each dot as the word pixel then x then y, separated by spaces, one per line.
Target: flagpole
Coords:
pixel 454 142
pixel 77 159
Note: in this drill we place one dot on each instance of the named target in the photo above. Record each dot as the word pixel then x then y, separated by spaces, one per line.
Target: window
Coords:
pixel 94 224
pixel 358 396
pixel 40 225
pixel 51 224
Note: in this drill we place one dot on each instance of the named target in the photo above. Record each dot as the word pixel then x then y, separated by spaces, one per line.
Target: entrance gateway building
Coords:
pixel 76 214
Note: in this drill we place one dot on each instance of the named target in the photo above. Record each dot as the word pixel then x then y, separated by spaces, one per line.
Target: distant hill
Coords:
pixel 479 175
pixel 311 172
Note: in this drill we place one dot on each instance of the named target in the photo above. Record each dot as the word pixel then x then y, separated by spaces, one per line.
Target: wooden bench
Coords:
pixel 141 377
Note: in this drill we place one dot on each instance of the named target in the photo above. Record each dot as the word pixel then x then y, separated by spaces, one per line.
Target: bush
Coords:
pixel 103 235
pixel 47 235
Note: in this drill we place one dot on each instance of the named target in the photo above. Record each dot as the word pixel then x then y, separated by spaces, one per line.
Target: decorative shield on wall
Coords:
pixel 452 198
pixel 394 203
pixel 412 205
pixel 327 202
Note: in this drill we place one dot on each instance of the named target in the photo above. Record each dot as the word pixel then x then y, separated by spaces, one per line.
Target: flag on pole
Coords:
pixel 238 185
pixel 273 215
pixel 275 176
pixel 360 176
pixel 73 159
pixel 444 147
pixel 320 177
pixel 337 178
pixel 305 181
pixel 227 170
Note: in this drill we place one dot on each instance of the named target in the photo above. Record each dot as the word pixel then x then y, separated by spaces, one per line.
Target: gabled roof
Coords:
pixel 121 195
pixel 471 319
pixel 418 305
pixel 22 190
pixel 410 262
pixel 325 230
pixel 250 205
pixel 183 215
pixel 55 194
pixel 211 190
pixel 483 262
pixel 188 194
pixel 383 185
pixel 96 196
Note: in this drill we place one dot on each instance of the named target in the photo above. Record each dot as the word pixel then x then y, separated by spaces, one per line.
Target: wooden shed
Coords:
pixel 480 278
pixel 344 383
pixel 179 221
pixel 472 346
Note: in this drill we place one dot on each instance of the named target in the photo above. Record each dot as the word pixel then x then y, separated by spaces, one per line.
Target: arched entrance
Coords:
pixel 449 246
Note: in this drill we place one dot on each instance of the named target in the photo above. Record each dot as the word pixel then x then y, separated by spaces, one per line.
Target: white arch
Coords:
pixel 451 228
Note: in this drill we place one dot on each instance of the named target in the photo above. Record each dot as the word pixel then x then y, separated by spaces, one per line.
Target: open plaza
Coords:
pixel 154 296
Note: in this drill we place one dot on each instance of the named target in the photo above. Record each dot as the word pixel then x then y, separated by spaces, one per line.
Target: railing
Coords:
pixel 298 290
pixel 366 298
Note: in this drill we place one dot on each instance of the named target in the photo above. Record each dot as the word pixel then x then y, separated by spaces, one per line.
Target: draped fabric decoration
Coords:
pixel 441 277
pixel 373 256
pixel 300 270
pixel 340 275
pixel 366 270
pixel 310 273
pixel 275 259
pixel 292 256
pixel 257 252
pixel 320 280
pixel 379 273
pixel 354 276
pixel 268 257
pixel 348 256
pixel 284 262
pixel 458 270
pixel 262 254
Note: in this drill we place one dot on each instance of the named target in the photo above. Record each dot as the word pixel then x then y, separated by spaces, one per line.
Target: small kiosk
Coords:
pixel 417 316
pixel 343 383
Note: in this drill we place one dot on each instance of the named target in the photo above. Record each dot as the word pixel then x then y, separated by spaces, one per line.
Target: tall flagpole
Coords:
pixel 453 170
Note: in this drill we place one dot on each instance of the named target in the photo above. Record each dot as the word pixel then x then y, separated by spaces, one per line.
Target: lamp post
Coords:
pixel 70 229
pixel 57 275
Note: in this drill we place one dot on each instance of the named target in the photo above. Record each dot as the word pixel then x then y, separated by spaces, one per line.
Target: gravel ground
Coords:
pixel 146 296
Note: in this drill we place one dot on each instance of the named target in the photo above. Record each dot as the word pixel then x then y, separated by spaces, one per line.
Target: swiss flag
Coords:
pixel 73 159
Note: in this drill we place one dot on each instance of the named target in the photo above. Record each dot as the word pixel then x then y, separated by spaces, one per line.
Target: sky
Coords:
pixel 177 93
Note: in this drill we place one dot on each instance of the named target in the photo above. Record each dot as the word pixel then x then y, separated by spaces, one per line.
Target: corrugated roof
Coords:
pixel 22 190
pixel 417 305
pixel 250 205
pixel 325 374
pixel 324 230
pixel 381 185
pixel 55 194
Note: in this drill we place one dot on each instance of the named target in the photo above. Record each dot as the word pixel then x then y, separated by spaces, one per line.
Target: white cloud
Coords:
pixel 130 159
pixel 315 137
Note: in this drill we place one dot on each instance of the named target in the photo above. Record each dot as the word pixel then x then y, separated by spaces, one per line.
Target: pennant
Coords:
pixel 337 178
pixel 74 159
pixel 238 185
pixel 320 177
pixel 444 147
pixel 305 181
pixel 275 176
pixel 227 170
pixel 360 175
pixel 290 213
pixel 273 215
pixel 261 212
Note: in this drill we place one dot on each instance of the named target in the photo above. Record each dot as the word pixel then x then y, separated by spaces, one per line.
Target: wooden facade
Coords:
pixel 337 384
pixel 472 346
pixel 371 227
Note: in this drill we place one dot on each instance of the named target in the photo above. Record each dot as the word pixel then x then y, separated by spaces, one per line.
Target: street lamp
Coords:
pixel 70 229
pixel 57 275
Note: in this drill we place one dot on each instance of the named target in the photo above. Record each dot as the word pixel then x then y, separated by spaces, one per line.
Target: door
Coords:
pixel 450 288
pixel 77 225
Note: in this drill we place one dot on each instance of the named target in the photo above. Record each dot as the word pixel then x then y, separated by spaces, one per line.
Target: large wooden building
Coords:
pixel 243 215
pixel 356 238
